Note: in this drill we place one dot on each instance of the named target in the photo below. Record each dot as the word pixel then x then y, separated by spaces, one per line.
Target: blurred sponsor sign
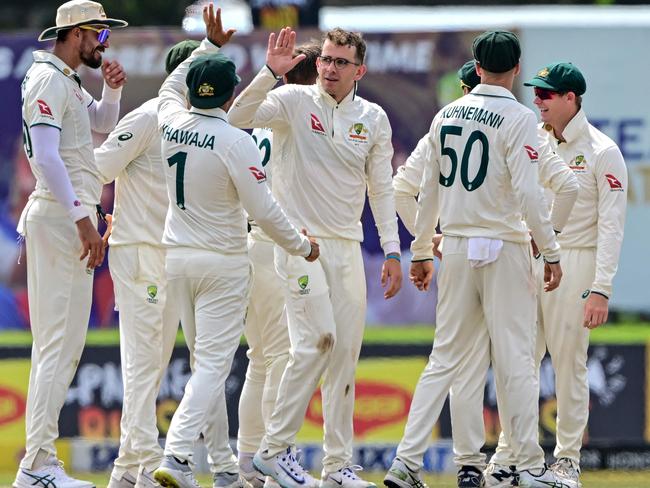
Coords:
pixel 385 381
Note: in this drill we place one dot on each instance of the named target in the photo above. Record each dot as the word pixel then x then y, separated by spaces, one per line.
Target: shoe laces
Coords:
pixel 290 461
pixel 350 471
pixel 470 473
pixel 55 468
pixel 566 467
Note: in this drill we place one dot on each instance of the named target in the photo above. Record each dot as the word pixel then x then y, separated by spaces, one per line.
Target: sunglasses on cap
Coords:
pixel 102 34
pixel 544 94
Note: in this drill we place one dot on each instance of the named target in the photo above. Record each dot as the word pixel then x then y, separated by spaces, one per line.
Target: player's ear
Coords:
pixel 361 70
pixel 517 69
pixel 479 69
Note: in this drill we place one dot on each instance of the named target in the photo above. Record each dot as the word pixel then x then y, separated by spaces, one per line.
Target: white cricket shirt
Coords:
pixel 326 154
pixel 52 95
pixel 212 169
pixel 131 156
pixel 598 218
pixel 482 179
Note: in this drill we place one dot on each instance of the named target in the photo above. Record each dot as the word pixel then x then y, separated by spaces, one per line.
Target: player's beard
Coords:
pixel 90 59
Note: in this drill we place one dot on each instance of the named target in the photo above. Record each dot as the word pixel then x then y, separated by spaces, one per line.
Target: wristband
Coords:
pixel 395 256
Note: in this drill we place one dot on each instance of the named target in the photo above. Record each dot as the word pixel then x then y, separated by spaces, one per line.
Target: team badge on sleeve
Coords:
pixel 532 153
pixel 614 184
pixel 259 175
pixel 44 108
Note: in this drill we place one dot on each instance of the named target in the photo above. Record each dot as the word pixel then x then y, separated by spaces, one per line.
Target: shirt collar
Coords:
pixel 576 127
pixel 215 113
pixel 50 58
pixel 330 100
pixel 492 91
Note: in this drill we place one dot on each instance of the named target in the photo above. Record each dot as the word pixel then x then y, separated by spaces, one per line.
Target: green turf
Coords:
pixel 600 479
pixel 620 333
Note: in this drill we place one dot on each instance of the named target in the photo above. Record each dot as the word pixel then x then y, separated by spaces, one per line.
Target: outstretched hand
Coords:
pixel 214 27
pixel 279 54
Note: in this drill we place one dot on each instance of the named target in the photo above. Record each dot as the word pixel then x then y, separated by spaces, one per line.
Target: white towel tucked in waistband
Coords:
pixel 482 251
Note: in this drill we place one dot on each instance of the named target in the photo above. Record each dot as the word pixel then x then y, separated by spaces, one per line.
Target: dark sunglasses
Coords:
pixel 544 94
pixel 102 34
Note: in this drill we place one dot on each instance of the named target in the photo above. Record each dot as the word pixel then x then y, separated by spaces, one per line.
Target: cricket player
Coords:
pixel 466 393
pixel 148 316
pixel 212 170
pixel 591 245
pixel 266 321
pixel 59 222
pixel 335 145
pixel 481 178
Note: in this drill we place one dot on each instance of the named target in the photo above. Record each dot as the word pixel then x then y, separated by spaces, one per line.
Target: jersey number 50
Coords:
pixel 476 136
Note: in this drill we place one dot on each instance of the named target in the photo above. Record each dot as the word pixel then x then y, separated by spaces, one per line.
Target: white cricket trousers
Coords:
pixel 148 326
pixel 466 395
pixel 215 431
pixel 268 346
pixel 501 298
pixel 560 331
pixel 211 290
pixel 326 310
pixel 60 294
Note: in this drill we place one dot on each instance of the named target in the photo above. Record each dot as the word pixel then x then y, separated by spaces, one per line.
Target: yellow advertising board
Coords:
pixel 383 391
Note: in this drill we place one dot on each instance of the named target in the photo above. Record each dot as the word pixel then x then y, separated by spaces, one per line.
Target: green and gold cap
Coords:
pixel 560 77
pixel 211 80
pixel 497 51
pixel 179 53
pixel 468 76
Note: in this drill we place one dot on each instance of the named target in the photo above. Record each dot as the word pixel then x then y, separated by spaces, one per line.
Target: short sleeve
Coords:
pixel 46 102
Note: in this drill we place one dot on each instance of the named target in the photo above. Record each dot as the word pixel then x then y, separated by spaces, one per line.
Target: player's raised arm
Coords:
pixel 255 106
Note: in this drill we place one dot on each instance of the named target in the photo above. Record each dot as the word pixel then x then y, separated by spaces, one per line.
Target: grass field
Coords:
pixel 600 479
pixel 619 333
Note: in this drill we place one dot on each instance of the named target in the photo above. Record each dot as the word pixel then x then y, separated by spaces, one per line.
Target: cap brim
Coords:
pixel 540 84
pixel 51 33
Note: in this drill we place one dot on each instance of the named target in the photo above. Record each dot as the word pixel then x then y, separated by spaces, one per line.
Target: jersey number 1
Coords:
pixel 476 136
pixel 179 159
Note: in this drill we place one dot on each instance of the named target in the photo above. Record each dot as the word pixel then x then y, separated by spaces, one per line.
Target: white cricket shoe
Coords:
pixel 174 473
pixel 345 478
pixel 285 469
pixel 126 481
pixel 145 479
pixel 500 476
pixel 254 478
pixel 229 480
pixel 401 476
pixel 543 478
pixel 568 469
pixel 49 475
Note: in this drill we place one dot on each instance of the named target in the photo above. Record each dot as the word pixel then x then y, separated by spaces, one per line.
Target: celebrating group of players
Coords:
pixel 198 237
